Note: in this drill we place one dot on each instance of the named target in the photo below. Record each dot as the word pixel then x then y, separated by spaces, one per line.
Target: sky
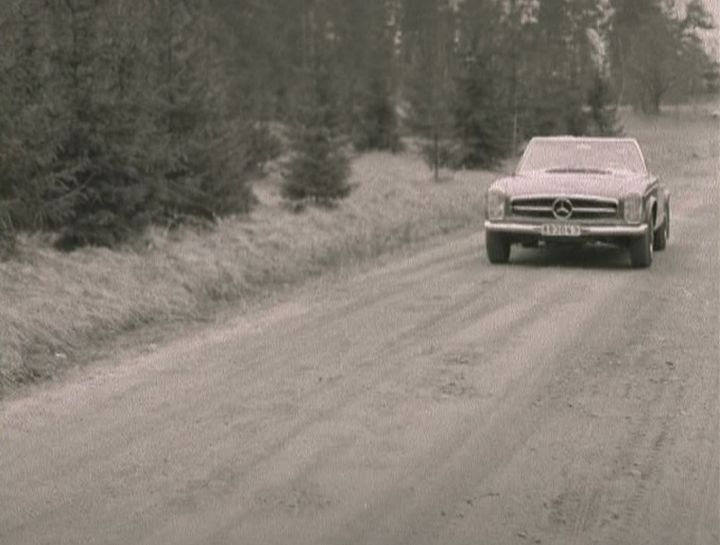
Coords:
pixel 712 38
pixel 713 6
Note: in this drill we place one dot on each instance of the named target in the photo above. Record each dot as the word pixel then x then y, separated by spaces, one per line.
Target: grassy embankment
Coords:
pixel 54 306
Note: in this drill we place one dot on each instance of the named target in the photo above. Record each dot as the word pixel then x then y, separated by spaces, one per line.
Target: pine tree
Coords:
pixel 97 193
pixel 201 161
pixel 479 124
pixel 29 131
pixel 480 111
pixel 376 127
pixel 144 135
pixel 557 106
pixel 375 123
pixel 428 85
pixel 655 51
pixel 319 169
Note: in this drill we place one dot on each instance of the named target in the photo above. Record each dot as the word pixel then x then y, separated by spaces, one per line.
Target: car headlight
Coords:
pixel 495 204
pixel 633 208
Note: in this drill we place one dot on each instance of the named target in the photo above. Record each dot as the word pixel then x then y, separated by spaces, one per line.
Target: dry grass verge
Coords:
pixel 55 305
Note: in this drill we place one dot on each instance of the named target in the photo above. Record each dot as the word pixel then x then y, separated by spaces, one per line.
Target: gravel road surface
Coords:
pixel 562 399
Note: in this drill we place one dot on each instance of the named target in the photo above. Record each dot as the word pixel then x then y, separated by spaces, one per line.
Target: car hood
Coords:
pixel 614 185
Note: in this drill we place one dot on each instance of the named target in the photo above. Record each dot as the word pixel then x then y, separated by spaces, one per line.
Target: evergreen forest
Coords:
pixel 120 114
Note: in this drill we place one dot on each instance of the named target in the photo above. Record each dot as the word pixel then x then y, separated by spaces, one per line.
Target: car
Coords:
pixel 569 189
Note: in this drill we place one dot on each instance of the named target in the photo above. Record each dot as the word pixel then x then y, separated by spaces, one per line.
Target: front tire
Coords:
pixel 663 234
pixel 641 248
pixel 497 247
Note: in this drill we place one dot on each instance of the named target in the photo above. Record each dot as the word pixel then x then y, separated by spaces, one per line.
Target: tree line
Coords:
pixel 118 114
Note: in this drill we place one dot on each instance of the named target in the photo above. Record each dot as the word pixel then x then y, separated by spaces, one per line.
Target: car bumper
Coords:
pixel 585 230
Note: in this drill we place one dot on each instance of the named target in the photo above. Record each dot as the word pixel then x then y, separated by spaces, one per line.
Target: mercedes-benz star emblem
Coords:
pixel 562 209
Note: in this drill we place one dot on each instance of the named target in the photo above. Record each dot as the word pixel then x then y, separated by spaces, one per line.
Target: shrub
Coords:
pixel 318 169
pixel 480 123
pixel 376 126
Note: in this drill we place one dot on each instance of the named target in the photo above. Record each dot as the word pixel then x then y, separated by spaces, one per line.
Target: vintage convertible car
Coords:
pixel 576 189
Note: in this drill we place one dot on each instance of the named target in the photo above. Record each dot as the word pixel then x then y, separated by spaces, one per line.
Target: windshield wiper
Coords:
pixel 572 170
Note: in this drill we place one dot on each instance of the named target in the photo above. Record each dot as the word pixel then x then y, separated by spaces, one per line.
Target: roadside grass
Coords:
pixel 55 306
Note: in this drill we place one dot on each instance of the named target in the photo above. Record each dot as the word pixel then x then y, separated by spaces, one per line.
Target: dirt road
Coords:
pixel 563 399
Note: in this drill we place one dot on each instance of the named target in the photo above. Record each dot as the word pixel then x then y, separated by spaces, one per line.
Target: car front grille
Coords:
pixel 583 208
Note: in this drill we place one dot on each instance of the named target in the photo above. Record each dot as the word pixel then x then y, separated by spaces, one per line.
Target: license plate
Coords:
pixel 560 230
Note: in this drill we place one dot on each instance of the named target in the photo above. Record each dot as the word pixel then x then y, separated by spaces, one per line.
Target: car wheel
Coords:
pixel 497 247
pixel 663 234
pixel 641 248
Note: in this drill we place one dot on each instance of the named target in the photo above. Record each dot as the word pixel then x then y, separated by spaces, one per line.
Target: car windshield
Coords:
pixel 589 156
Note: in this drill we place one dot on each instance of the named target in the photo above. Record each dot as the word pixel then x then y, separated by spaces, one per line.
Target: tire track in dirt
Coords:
pixel 152 422
pixel 587 500
pixel 444 462
pixel 645 454
pixel 350 398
